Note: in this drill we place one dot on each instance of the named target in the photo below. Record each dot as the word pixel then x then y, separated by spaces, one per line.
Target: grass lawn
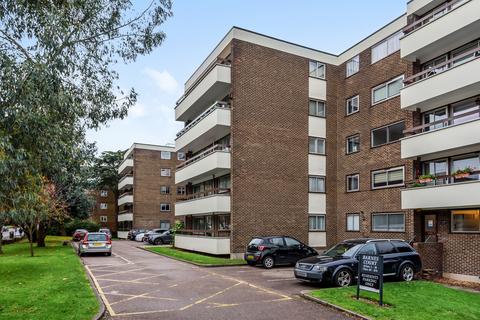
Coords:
pixel 51 285
pixel 417 300
pixel 196 258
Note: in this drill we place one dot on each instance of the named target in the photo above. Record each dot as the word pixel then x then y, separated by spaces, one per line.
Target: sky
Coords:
pixel 195 29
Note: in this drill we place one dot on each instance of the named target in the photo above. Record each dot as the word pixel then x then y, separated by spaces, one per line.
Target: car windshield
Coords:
pixel 166 233
pixel 342 249
pixel 97 237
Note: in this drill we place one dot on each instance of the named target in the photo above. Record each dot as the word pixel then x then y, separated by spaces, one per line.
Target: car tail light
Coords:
pixel 261 248
pixel 109 241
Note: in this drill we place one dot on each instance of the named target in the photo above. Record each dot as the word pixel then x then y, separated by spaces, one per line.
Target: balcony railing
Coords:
pixel 444 179
pixel 128 175
pixel 202 194
pixel 444 66
pixel 215 106
pixel 203 154
pixel 205 233
pixel 443 123
pixel 125 211
pixel 433 15
pixel 125 194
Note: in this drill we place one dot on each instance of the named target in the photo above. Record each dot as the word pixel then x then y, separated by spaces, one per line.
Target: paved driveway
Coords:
pixel 136 284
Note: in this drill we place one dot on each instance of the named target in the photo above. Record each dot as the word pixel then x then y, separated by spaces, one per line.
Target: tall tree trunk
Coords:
pixel 1 238
pixel 41 234
pixel 31 231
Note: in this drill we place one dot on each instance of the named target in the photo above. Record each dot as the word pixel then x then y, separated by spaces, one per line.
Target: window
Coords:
pixel 317 70
pixel 165 172
pixel 387 178
pixel 316 108
pixel 277 241
pixel 386 47
pixel 223 222
pixel 104 193
pixel 316 222
pixel 164 224
pixel 165 155
pixel 316 145
pixel 387 90
pixel 291 242
pixel 181 156
pixel 165 189
pixel 385 247
pixel 353 65
pixel 180 190
pixel 353 105
pixel 353 222
pixel 369 248
pixel 466 220
pixel 388 222
pixel 103 205
pixel 353 182
pixel 402 246
pixel 164 206
pixel 387 134
pixel 103 218
pixel 316 184
pixel 353 144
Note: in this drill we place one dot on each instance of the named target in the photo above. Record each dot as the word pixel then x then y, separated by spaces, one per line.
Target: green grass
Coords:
pixel 51 285
pixel 417 300
pixel 196 258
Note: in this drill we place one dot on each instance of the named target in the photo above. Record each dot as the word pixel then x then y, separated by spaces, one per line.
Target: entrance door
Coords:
pixel 430 228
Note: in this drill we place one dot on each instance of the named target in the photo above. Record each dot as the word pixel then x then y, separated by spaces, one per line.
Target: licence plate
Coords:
pixel 98 244
pixel 250 257
pixel 301 274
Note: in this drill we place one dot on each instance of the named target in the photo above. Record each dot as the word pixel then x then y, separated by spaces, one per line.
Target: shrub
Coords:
pixel 89 225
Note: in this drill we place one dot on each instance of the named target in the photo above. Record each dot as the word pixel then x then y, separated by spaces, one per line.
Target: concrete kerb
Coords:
pixel 306 295
pixel 100 312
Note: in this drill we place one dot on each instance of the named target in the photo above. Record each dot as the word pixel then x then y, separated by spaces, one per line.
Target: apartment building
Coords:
pixel 284 139
pixel 147 189
pixel 105 209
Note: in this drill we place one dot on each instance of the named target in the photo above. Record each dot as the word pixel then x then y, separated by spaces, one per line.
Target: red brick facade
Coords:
pixel 106 198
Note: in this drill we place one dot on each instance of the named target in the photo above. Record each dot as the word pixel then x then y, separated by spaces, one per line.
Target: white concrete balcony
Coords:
pixel 125 216
pixel 448 83
pixel 211 125
pixel 455 195
pixel 125 198
pixel 441 30
pixel 212 86
pixel 218 201
pixel 213 161
pixel 125 182
pixel 438 143
pixel 210 245
pixel 127 164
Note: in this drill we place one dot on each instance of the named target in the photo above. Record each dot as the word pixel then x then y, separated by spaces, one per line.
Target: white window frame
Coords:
pixel 353 66
pixel 346 142
pixel 350 176
pixel 165 155
pixel 319 178
pixel 388 224
pixel 318 66
pixel 317 146
pixel 104 193
pixel 167 189
pixel 165 207
pixel 103 206
pixel 388 134
pixel 353 215
pixel 385 85
pixel 389 50
pixel 181 156
pixel 317 104
pixel 103 219
pixel 317 216
pixel 386 171
pixel 163 172
pixel 349 101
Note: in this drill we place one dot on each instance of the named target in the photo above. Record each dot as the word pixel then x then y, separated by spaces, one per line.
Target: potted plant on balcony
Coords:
pixel 463 173
pixel 426 178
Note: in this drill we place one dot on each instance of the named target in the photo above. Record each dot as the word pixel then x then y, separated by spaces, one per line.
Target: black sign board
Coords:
pixel 370 274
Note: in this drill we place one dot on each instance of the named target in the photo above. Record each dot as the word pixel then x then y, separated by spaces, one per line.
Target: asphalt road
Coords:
pixel 136 284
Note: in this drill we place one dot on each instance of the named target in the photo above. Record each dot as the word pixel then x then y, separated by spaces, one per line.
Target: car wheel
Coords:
pixel 343 278
pixel 407 272
pixel 158 241
pixel 268 262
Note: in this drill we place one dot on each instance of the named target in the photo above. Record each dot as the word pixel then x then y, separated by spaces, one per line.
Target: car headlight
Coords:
pixel 297 265
pixel 319 268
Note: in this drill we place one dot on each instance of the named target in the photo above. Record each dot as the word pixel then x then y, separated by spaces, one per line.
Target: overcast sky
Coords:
pixel 197 26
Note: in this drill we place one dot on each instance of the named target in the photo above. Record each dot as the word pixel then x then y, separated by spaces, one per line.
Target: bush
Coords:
pixel 71 226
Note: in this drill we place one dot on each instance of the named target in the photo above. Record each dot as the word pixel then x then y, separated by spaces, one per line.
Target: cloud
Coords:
pixel 138 110
pixel 163 80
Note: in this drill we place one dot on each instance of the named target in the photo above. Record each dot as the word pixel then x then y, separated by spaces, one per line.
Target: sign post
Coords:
pixel 370 274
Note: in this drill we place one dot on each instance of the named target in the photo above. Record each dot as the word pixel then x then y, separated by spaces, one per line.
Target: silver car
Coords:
pixel 95 242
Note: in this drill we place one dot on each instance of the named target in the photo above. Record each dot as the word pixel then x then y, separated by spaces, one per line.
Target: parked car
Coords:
pixel 139 236
pixel 106 231
pixel 132 233
pixel 151 232
pixel 276 250
pixel 339 265
pixel 162 238
pixel 79 234
pixel 95 242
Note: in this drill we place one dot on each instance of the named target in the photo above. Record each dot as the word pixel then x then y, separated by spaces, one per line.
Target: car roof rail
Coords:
pixel 377 240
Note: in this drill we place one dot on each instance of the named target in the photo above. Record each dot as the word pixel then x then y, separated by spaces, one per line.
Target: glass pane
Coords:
pixel 395 87
pixel 395 177
pixel 465 107
pixel 356 222
pixel 352 183
pixel 379 137
pixel 395 131
pixel 379 94
pixel 433 116
pixel 460 51
pixel 396 222
pixel 466 220
pixel 313 68
pixel 470 162
pixel 379 179
pixel 380 222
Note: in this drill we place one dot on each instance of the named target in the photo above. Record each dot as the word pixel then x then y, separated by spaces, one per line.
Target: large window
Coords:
pixel 388 222
pixel 387 90
pixel 317 69
pixel 353 65
pixel 386 178
pixel 165 155
pixel 353 105
pixel 387 134
pixel 353 144
pixel 316 222
pixel 316 184
pixel 386 47
pixel 353 222
pixel 316 108
pixel 353 182
pixel 316 145
pixel 466 220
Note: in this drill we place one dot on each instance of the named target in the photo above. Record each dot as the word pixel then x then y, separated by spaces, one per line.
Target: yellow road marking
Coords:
pixel 124 259
pixel 100 292
pixel 143 295
pixel 173 285
pixel 119 272
pixel 209 297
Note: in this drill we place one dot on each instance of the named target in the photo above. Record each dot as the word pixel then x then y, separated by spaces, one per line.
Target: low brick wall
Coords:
pixel 431 254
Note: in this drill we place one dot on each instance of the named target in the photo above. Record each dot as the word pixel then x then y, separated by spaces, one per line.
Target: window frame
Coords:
pixel 355 59
pixel 386 170
pixel 316 76
pixel 317 177
pixel 357 135
pixel 167 189
pixel 385 40
pixel 388 223
pixel 103 218
pixel 324 146
pixel 103 206
pixel 388 133
pixel 357 97
pixel 317 102
pixel 346 221
pixel 346 182
pixel 386 84
pixel 316 216
pixel 180 156
pixel 103 193
pixel 166 205
pixel 162 153
pixel 169 172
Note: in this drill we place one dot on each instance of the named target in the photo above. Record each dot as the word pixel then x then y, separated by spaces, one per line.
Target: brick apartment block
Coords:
pixel 105 209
